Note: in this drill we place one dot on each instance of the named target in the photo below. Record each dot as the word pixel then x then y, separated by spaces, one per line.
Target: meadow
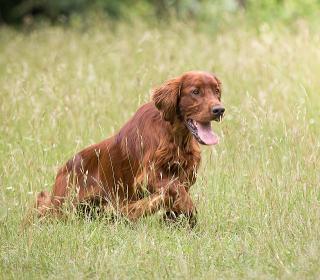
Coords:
pixel 257 193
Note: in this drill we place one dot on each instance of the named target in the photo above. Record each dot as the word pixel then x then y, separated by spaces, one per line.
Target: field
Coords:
pixel 258 191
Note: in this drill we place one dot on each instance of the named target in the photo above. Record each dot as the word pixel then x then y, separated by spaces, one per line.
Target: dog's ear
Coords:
pixel 165 98
pixel 218 81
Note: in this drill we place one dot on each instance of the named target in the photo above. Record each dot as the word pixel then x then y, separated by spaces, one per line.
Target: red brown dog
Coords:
pixel 152 162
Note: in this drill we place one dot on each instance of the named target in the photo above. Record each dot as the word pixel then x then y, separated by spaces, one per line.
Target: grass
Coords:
pixel 258 192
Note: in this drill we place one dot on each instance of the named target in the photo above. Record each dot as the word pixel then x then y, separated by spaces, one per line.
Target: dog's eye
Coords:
pixel 195 92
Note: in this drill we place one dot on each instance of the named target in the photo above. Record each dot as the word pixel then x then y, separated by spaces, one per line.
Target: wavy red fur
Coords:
pixel 149 164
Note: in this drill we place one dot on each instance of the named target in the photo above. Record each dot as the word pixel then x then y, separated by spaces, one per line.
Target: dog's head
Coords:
pixel 193 100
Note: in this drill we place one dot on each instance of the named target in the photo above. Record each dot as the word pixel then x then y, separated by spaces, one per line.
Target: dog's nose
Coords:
pixel 218 111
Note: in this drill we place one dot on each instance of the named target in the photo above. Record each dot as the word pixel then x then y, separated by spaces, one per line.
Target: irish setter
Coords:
pixel 152 162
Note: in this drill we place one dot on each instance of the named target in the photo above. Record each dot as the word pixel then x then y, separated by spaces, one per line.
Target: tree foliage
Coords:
pixel 14 11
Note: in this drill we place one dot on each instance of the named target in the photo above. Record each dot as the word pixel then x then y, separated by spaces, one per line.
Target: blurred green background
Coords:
pixel 19 11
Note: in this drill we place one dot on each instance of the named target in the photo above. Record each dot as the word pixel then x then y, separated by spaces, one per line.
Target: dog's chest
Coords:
pixel 182 164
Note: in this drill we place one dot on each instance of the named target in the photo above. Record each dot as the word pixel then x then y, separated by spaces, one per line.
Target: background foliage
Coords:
pixel 15 11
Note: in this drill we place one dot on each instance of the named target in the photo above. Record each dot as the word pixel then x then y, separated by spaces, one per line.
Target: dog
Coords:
pixel 152 162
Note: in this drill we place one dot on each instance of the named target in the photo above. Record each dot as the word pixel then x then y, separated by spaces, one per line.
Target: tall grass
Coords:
pixel 257 194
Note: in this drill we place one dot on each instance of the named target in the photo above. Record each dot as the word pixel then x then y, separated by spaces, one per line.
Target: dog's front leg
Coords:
pixel 170 195
pixel 181 204
pixel 143 207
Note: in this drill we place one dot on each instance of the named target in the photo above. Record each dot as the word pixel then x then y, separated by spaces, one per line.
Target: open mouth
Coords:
pixel 202 132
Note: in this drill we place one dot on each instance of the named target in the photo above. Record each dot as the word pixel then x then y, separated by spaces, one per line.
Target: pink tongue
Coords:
pixel 206 134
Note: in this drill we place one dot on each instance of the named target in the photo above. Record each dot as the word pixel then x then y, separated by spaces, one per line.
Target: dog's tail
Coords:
pixel 43 203
pixel 38 209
